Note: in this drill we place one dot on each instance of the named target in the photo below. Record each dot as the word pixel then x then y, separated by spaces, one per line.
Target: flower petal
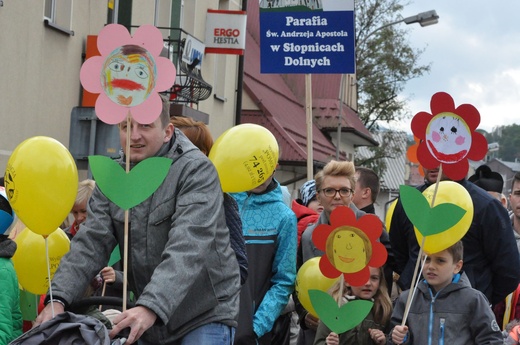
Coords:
pixel 457 171
pixel 90 74
pixel 165 74
pixel 149 110
pixel 320 235
pixel 426 159
pixel 328 269
pixel 419 124
pixel 358 278
pixel 371 225
pixel 108 111
pixel 111 37
pixel 411 153
pixel 442 102
pixel 470 114
pixel 479 147
pixel 342 215
pixel 379 255
pixel 150 38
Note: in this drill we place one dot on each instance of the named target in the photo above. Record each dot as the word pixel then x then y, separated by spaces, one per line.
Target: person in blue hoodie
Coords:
pixel 445 308
pixel 270 233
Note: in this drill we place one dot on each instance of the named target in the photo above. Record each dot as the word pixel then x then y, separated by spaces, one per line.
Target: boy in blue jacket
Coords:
pixel 270 233
pixel 445 309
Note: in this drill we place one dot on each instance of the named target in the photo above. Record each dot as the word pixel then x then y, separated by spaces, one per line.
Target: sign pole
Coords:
pixel 308 112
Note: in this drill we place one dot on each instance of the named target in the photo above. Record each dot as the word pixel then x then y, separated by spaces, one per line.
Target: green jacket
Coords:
pixel 10 314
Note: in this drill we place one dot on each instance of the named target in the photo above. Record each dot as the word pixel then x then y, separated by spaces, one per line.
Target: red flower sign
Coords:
pixel 447 136
pixel 350 245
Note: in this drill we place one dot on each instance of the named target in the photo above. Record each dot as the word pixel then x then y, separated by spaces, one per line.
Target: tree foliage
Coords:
pixel 385 61
pixel 508 138
pixel 391 146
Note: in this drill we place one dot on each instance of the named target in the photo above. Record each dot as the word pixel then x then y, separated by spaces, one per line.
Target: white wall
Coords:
pixel 39 82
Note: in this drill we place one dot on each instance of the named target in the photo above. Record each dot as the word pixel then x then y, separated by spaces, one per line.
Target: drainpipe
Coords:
pixel 240 79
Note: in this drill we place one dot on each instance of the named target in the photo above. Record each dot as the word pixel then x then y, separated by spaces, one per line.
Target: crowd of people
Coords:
pixel 207 267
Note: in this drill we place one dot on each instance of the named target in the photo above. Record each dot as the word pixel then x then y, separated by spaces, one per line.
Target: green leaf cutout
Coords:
pixel 29 305
pixel 129 190
pixel 427 220
pixel 115 256
pixel 339 319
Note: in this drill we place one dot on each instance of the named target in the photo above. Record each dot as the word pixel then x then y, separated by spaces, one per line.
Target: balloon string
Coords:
pixel 414 282
pixel 49 273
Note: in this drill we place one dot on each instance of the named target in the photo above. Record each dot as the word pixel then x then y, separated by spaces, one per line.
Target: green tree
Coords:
pixel 385 61
pixel 508 138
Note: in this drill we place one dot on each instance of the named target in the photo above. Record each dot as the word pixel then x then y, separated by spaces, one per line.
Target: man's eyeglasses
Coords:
pixel 343 192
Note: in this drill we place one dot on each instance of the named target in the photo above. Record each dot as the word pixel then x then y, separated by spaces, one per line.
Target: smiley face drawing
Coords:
pixel 128 75
pixel 448 138
pixel 348 249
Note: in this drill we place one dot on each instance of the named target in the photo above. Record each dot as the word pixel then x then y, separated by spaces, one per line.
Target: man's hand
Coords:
pixel 108 274
pixel 399 333
pixel 138 319
pixel 46 313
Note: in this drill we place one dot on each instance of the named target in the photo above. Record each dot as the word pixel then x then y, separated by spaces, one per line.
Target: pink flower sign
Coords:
pixel 129 74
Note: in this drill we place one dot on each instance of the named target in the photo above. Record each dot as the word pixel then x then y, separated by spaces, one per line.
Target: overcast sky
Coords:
pixel 474 53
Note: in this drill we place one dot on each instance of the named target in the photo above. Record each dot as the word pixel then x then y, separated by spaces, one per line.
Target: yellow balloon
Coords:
pixel 30 259
pixel 245 156
pixel 389 214
pixel 453 193
pixel 309 277
pixel 41 182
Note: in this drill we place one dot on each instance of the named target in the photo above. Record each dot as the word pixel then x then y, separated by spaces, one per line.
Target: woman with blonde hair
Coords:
pixel 334 187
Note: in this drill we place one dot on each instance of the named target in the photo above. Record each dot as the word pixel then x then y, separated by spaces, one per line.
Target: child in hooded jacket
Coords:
pixel 445 308
pixel 10 313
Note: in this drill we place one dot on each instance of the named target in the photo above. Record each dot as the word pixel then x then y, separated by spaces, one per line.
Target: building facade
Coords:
pixel 44 45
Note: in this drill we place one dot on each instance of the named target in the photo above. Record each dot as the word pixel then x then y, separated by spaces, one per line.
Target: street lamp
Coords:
pixel 424 19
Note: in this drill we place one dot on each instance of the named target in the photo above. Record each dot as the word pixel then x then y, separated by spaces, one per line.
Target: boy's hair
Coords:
pixel 85 189
pixel 335 168
pixel 456 251
pixel 196 131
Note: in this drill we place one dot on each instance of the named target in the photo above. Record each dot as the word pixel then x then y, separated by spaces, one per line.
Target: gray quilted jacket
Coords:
pixel 181 265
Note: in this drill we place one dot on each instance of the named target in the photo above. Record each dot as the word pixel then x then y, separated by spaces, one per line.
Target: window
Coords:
pixel 58 15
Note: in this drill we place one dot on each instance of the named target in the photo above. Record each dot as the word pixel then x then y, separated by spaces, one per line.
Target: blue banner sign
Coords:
pixel 300 39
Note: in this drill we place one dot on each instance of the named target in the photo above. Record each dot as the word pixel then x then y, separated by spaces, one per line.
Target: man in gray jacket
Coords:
pixel 181 267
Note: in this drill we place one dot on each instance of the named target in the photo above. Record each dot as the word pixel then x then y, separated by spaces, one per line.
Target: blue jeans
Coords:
pixel 210 334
